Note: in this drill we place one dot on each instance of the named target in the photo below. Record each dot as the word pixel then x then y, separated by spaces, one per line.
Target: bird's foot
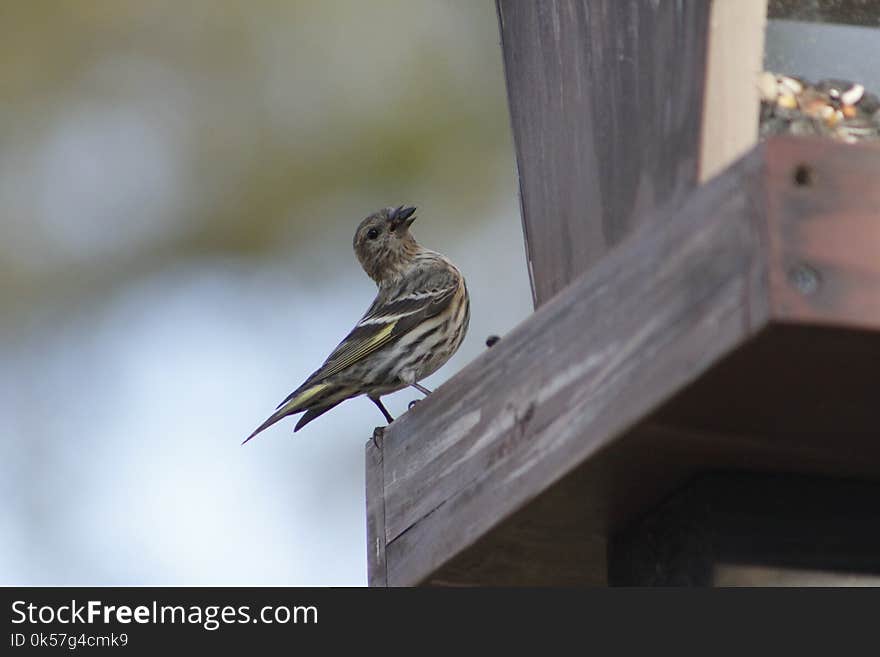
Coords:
pixel 378 434
pixel 413 403
pixel 492 340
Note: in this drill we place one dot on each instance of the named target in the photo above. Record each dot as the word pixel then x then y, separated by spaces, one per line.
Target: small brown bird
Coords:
pixel 416 322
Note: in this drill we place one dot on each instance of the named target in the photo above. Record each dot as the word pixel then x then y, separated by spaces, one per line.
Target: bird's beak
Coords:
pixel 402 216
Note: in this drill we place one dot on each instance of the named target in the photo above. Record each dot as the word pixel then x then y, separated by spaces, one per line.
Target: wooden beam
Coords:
pixel 738 329
pixel 731 101
pixel 605 102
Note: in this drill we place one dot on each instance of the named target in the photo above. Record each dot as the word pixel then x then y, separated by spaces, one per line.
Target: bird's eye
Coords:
pixel 372 234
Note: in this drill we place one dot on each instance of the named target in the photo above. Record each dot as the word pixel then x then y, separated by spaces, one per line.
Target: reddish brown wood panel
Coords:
pixel 824 227
pixel 605 101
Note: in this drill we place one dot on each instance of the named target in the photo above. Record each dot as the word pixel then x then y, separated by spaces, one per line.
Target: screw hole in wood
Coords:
pixel 804 278
pixel 803 175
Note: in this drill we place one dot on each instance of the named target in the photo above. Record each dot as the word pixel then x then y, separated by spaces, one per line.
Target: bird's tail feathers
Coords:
pixel 297 402
pixel 277 415
pixel 311 414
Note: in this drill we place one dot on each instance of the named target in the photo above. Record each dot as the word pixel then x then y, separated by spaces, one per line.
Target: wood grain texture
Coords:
pixel 375 485
pixel 605 101
pixel 655 313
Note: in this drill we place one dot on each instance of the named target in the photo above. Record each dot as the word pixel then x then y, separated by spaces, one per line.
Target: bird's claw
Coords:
pixel 378 434
pixel 413 403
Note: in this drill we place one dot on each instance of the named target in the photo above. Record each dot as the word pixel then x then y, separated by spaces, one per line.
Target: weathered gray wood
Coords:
pixel 605 101
pixel 375 485
pixel 581 370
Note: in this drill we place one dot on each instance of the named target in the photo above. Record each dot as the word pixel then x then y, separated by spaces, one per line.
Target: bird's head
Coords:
pixel 383 243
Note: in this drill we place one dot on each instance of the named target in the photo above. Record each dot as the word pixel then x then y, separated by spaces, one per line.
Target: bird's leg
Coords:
pixel 382 408
pixel 378 434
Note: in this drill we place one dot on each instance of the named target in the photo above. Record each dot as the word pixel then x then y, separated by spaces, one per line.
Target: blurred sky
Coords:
pixel 179 186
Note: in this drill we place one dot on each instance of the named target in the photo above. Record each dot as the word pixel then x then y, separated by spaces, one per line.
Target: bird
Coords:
pixel 415 324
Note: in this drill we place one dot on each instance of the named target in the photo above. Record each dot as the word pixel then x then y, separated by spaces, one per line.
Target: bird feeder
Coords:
pixel 695 398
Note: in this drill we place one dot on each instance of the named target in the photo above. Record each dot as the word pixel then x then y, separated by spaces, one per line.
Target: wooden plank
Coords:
pixel 731 101
pixel 654 313
pixel 605 101
pixel 375 485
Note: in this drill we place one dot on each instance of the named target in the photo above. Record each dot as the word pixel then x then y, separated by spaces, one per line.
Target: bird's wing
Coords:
pixel 386 321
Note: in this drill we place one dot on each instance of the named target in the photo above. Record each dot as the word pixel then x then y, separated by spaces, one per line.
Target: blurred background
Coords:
pixel 179 186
